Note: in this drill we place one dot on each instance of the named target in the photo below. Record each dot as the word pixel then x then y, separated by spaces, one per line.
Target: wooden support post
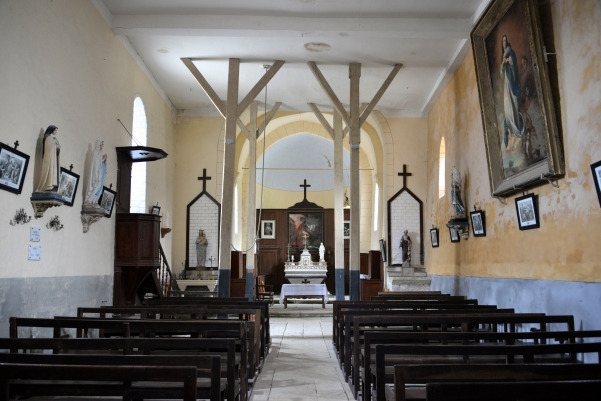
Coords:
pixel 251 225
pixel 338 208
pixel 355 141
pixel 266 121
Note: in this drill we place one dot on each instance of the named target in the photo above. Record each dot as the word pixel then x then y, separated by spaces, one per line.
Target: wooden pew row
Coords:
pixel 339 306
pixel 424 374
pixel 234 368
pixel 374 338
pixel 143 346
pixel 252 317
pixel 484 353
pixel 24 379
pixel 416 296
pixel 409 292
pixel 440 322
pixel 533 391
pixel 208 383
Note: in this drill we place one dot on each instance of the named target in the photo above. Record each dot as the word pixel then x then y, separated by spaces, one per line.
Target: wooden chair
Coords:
pixel 264 291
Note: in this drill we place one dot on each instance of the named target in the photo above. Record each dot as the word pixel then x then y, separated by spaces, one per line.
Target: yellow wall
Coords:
pixel 63 65
pixel 565 247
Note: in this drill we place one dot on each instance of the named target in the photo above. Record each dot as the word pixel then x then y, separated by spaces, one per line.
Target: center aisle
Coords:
pixel 302 363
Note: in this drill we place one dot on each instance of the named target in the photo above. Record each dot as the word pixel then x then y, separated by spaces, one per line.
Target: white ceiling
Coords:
pixel 429 37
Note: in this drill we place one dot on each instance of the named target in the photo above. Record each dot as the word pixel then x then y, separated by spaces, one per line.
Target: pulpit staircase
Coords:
pixel 159 282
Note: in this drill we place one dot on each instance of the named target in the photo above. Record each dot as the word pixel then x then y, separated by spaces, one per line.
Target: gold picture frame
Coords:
pixel 523 144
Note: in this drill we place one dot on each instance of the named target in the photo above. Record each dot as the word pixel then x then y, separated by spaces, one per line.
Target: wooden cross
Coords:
pixel 305 186
pixel 16 144
pixel 405 174
pixel 71 167
pixel 204 179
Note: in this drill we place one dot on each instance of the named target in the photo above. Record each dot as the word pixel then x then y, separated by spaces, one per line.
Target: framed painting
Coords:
pixel 155 210
pixel 596 169
pixel 454 234
pixel 521 134
pixel 107 200
pixel 67 185
pixel 347 229
pixel 434 237
pixel 478 223
pixel 305 228
pixel 527 211
pixel 268 229
pixel 13 167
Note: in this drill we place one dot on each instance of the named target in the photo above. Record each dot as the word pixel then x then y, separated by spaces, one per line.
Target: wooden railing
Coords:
pixel 165 276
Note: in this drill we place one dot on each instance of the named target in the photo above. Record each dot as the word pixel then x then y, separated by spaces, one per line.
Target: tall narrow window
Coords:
pixel 236 209
pixel 376 206
pixel 441 170
pixel 138 170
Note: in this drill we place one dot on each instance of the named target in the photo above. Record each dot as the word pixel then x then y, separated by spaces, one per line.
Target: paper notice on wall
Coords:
pixel 35 252
pixel 34 234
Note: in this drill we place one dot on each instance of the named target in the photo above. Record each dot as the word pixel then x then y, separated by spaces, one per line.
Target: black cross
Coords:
pixel 16 145
pixel 71 167
pixel 204 179
pixel 305 186
pixel 405 174
pixel 305 281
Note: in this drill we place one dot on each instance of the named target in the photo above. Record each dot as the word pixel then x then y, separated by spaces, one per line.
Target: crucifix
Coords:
pixel 204 179
pixel 405 174
pixel 305 186
pixel 305 236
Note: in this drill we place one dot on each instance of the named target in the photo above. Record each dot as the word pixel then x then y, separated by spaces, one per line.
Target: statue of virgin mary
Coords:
pixel 97 174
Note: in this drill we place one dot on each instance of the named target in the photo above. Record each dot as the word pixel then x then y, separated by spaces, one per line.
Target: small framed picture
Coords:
pixel 434 237
pixel 107 200
pixel 268 229
pixel 527 211
pixel 155 210
pixel 454 234
pixel 383 249
pixel 347 229
pixel 13 166
pixel 67 185
pixel 596 168
pixel 478 223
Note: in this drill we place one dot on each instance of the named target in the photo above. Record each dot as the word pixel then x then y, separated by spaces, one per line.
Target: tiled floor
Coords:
pixel 302 364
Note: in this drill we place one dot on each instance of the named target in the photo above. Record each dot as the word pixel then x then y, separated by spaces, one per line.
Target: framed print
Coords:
pixel 67 185
pixel 454 234
pixel 434 237
pixel 527 211
pixel 107 200
pixel 520 129
pixel 305 228
pixel 347 229
pixel 13 167
pixel 383 249
pixel 268 229
pixel 155 210
pixel 596 168
pixel 478 223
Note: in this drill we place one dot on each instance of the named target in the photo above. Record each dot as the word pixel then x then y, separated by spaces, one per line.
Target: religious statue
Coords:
pixel 322 251
pixel 97 174
pixel 405 245
pixel 456 193
pixel 201 249
pixel 50 161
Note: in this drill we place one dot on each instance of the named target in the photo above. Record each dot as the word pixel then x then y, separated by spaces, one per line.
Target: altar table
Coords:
pixel 304 291
pixel 183 284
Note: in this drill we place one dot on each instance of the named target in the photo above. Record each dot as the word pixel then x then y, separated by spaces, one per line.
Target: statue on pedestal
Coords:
pixel 322 251
pixel 405 245
pixel 96 180
pixel 51 150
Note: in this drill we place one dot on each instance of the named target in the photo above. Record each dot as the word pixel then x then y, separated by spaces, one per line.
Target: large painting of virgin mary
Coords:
pixel 517 108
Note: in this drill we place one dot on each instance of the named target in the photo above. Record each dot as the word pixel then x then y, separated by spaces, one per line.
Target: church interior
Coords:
pixel 431 155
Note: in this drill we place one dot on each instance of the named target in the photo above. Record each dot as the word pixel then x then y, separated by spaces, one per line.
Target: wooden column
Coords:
pixel 251 223
pixel 355 141
pixel 338 207
pixel 227 194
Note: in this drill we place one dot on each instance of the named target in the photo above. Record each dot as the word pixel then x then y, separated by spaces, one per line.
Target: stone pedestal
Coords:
pixel 407 278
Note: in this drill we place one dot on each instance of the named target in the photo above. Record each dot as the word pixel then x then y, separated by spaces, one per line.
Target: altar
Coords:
pixel 210 284
pixel 304 291
pixel 306 271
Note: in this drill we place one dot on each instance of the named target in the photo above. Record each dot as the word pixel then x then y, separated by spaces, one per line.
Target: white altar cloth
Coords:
pixel 292 290
pixel 183 284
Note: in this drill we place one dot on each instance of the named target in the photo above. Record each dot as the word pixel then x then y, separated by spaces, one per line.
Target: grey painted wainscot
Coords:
pixel 51 296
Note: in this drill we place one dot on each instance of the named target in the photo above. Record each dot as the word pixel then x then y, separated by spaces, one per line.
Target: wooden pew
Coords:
pixel 146 346
pixel 208 385
pixel 373 338
pixel 420 354
pixel 24 379
pixel 532 391
pixel 418 296
pixel 424 374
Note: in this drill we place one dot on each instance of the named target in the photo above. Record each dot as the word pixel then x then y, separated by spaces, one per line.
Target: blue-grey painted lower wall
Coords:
pixel 583 300
pixel 51 296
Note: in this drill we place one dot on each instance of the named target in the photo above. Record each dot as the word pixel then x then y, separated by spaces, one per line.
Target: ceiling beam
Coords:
pixel 365 113
pixel 278 26
pixel 324 123
pixel 329 92
pixel 254 92
pixel 267 120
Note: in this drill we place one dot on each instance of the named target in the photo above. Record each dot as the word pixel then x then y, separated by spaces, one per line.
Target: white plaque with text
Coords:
pixel 34 234
pixel 35 252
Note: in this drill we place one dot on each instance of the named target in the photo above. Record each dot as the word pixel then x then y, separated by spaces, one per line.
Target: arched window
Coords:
pixel 138 170
pixel 236 209
pixel 441 170
pixel 376 206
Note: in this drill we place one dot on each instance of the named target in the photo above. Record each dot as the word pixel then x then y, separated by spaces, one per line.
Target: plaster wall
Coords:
pixel 565 247
pixel 64 66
